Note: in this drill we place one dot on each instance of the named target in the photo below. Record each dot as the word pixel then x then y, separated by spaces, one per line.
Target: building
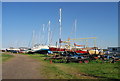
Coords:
pixel 114 49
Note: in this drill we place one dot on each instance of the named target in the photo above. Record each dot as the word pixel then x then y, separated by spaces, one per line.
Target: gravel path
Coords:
pixel 21 67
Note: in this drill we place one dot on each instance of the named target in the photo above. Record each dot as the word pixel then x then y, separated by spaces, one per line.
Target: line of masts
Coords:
pixel 50 32
pixel 43 35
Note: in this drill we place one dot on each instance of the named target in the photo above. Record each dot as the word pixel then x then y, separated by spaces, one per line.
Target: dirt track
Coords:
pixel 21 67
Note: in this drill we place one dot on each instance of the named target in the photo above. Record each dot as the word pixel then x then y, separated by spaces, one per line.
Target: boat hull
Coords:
pixel 56 49
pixel 63 49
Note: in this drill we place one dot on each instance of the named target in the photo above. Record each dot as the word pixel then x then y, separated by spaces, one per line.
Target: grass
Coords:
pixel 105 70
pixel 78 70
pixel 50 71
pixel 6 57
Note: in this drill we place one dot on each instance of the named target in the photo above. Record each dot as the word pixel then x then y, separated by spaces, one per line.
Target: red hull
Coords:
pixel 63 49
pixel 79 51
pixel 56 49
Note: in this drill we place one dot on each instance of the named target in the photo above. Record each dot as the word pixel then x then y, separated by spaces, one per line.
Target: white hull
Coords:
pixel 40 47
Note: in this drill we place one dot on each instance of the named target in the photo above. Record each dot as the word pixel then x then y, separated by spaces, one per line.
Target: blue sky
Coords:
pixel 94 19
pixel 0 25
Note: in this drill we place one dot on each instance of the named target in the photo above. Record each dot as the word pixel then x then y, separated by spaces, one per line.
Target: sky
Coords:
pixel 60 0
pixel 0 25
pixel 94 19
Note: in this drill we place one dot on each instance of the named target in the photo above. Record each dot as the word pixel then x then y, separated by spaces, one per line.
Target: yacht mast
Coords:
pixel 49 33
pixel 43 32
pixel 60 21
pixel 75 27
pixel 50 37
pixel 33 38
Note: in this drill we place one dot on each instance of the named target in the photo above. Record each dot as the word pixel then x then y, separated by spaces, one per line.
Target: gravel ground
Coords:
pixel 21 67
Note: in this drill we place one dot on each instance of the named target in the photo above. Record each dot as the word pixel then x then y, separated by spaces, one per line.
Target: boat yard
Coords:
pixel 59 50
pixel 68 47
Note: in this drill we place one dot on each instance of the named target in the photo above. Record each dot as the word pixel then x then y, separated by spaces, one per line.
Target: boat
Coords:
pixel 57 49
pixel 79 49
pixel 76 48
pixel 40 47
pixel 60 48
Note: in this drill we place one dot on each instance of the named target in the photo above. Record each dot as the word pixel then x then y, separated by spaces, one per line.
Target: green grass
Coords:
pixel 78 70
pixel 50 71
pixel 105 70
pixel 6 57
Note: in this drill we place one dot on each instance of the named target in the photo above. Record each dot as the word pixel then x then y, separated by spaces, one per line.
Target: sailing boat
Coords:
pixel 60 48
pixel 77 47
pixel 37 48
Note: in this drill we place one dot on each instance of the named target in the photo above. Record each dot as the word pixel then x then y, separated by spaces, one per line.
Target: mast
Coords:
pixel 33 38
pixel 43 31
pixel 39 37
pixel 50 37
pixel 75 27
pixel 49 33
pixel 60 21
